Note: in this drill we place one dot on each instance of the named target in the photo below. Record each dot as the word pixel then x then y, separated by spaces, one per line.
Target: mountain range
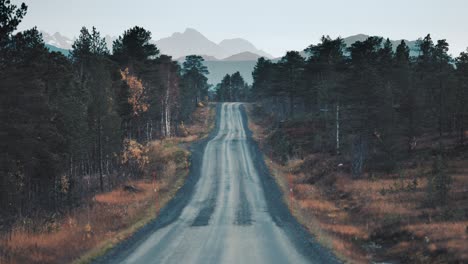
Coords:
pixel 193 42
pixel 242 56
pixel 225 57
pixel 180 45
pixel 59 42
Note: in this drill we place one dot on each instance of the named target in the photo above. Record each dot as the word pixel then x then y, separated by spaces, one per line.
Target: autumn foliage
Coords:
pixel 138 98
pixel 135 156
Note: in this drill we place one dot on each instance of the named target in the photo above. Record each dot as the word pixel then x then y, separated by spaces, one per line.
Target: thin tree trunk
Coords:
pixel 147 132
pixel 337 129
pixel 89 169
pixel 291 105
pixel 166 104
pixel 151 129
pixel 162 119
pixel 109 183
pixel 462 130
pixel 101 183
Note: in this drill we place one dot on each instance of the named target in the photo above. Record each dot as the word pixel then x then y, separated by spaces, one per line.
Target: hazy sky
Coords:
pixel 272 25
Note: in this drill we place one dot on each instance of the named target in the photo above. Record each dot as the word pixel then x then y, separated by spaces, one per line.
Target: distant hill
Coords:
pixel 243 62
pixel 193 42
pixel 205 57
pixel 355 38
pixel 52 48
pixel 238 45
pixel 218 69
pixel 243 56
pixel 187 43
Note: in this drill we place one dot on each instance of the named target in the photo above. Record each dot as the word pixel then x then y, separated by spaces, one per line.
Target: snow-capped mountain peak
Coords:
pixel 57 40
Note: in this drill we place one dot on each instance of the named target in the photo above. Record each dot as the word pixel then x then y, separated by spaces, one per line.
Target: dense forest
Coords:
pixel 232 88
pixel 369 102
pixel 78 123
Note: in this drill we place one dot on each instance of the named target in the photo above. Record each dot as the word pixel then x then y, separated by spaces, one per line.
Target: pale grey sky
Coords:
pixel 271 25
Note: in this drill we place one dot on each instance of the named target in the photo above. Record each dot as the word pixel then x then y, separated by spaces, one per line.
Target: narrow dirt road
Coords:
pixel 232 213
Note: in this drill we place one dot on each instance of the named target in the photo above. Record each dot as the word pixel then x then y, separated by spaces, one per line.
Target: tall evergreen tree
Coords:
pixel 262 76
pixel 290 82
pixel 461 94
pixel 238 87
pixel 364 99
pixel 440 94
pixel 324 76
pixel 10 17
pixel 195 82
pixel 224 92
pixel 90 56
pixel 324 72
pixel 133 48
pixel 408 99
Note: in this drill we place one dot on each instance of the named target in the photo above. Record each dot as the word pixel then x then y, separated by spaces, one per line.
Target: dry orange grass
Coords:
pixel 344 230
pixel 446 235
pixel 321 217
pixel 333 220
pixel 202 123
pixel 348 251
pixel 120 196
pixel 83 229
pixel 316 205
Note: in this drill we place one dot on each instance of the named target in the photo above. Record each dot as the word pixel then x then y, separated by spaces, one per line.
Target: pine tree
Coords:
pixel 10 17
pixel 363 98
pixel 237 86
pixel 324 72
pixel 224 92
pixel 90 56
pixel 324 76
pixel 262 76
pixel 408 99
pixel 461 93
pixel 290 82
pixel 195 82
pixel 134 48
